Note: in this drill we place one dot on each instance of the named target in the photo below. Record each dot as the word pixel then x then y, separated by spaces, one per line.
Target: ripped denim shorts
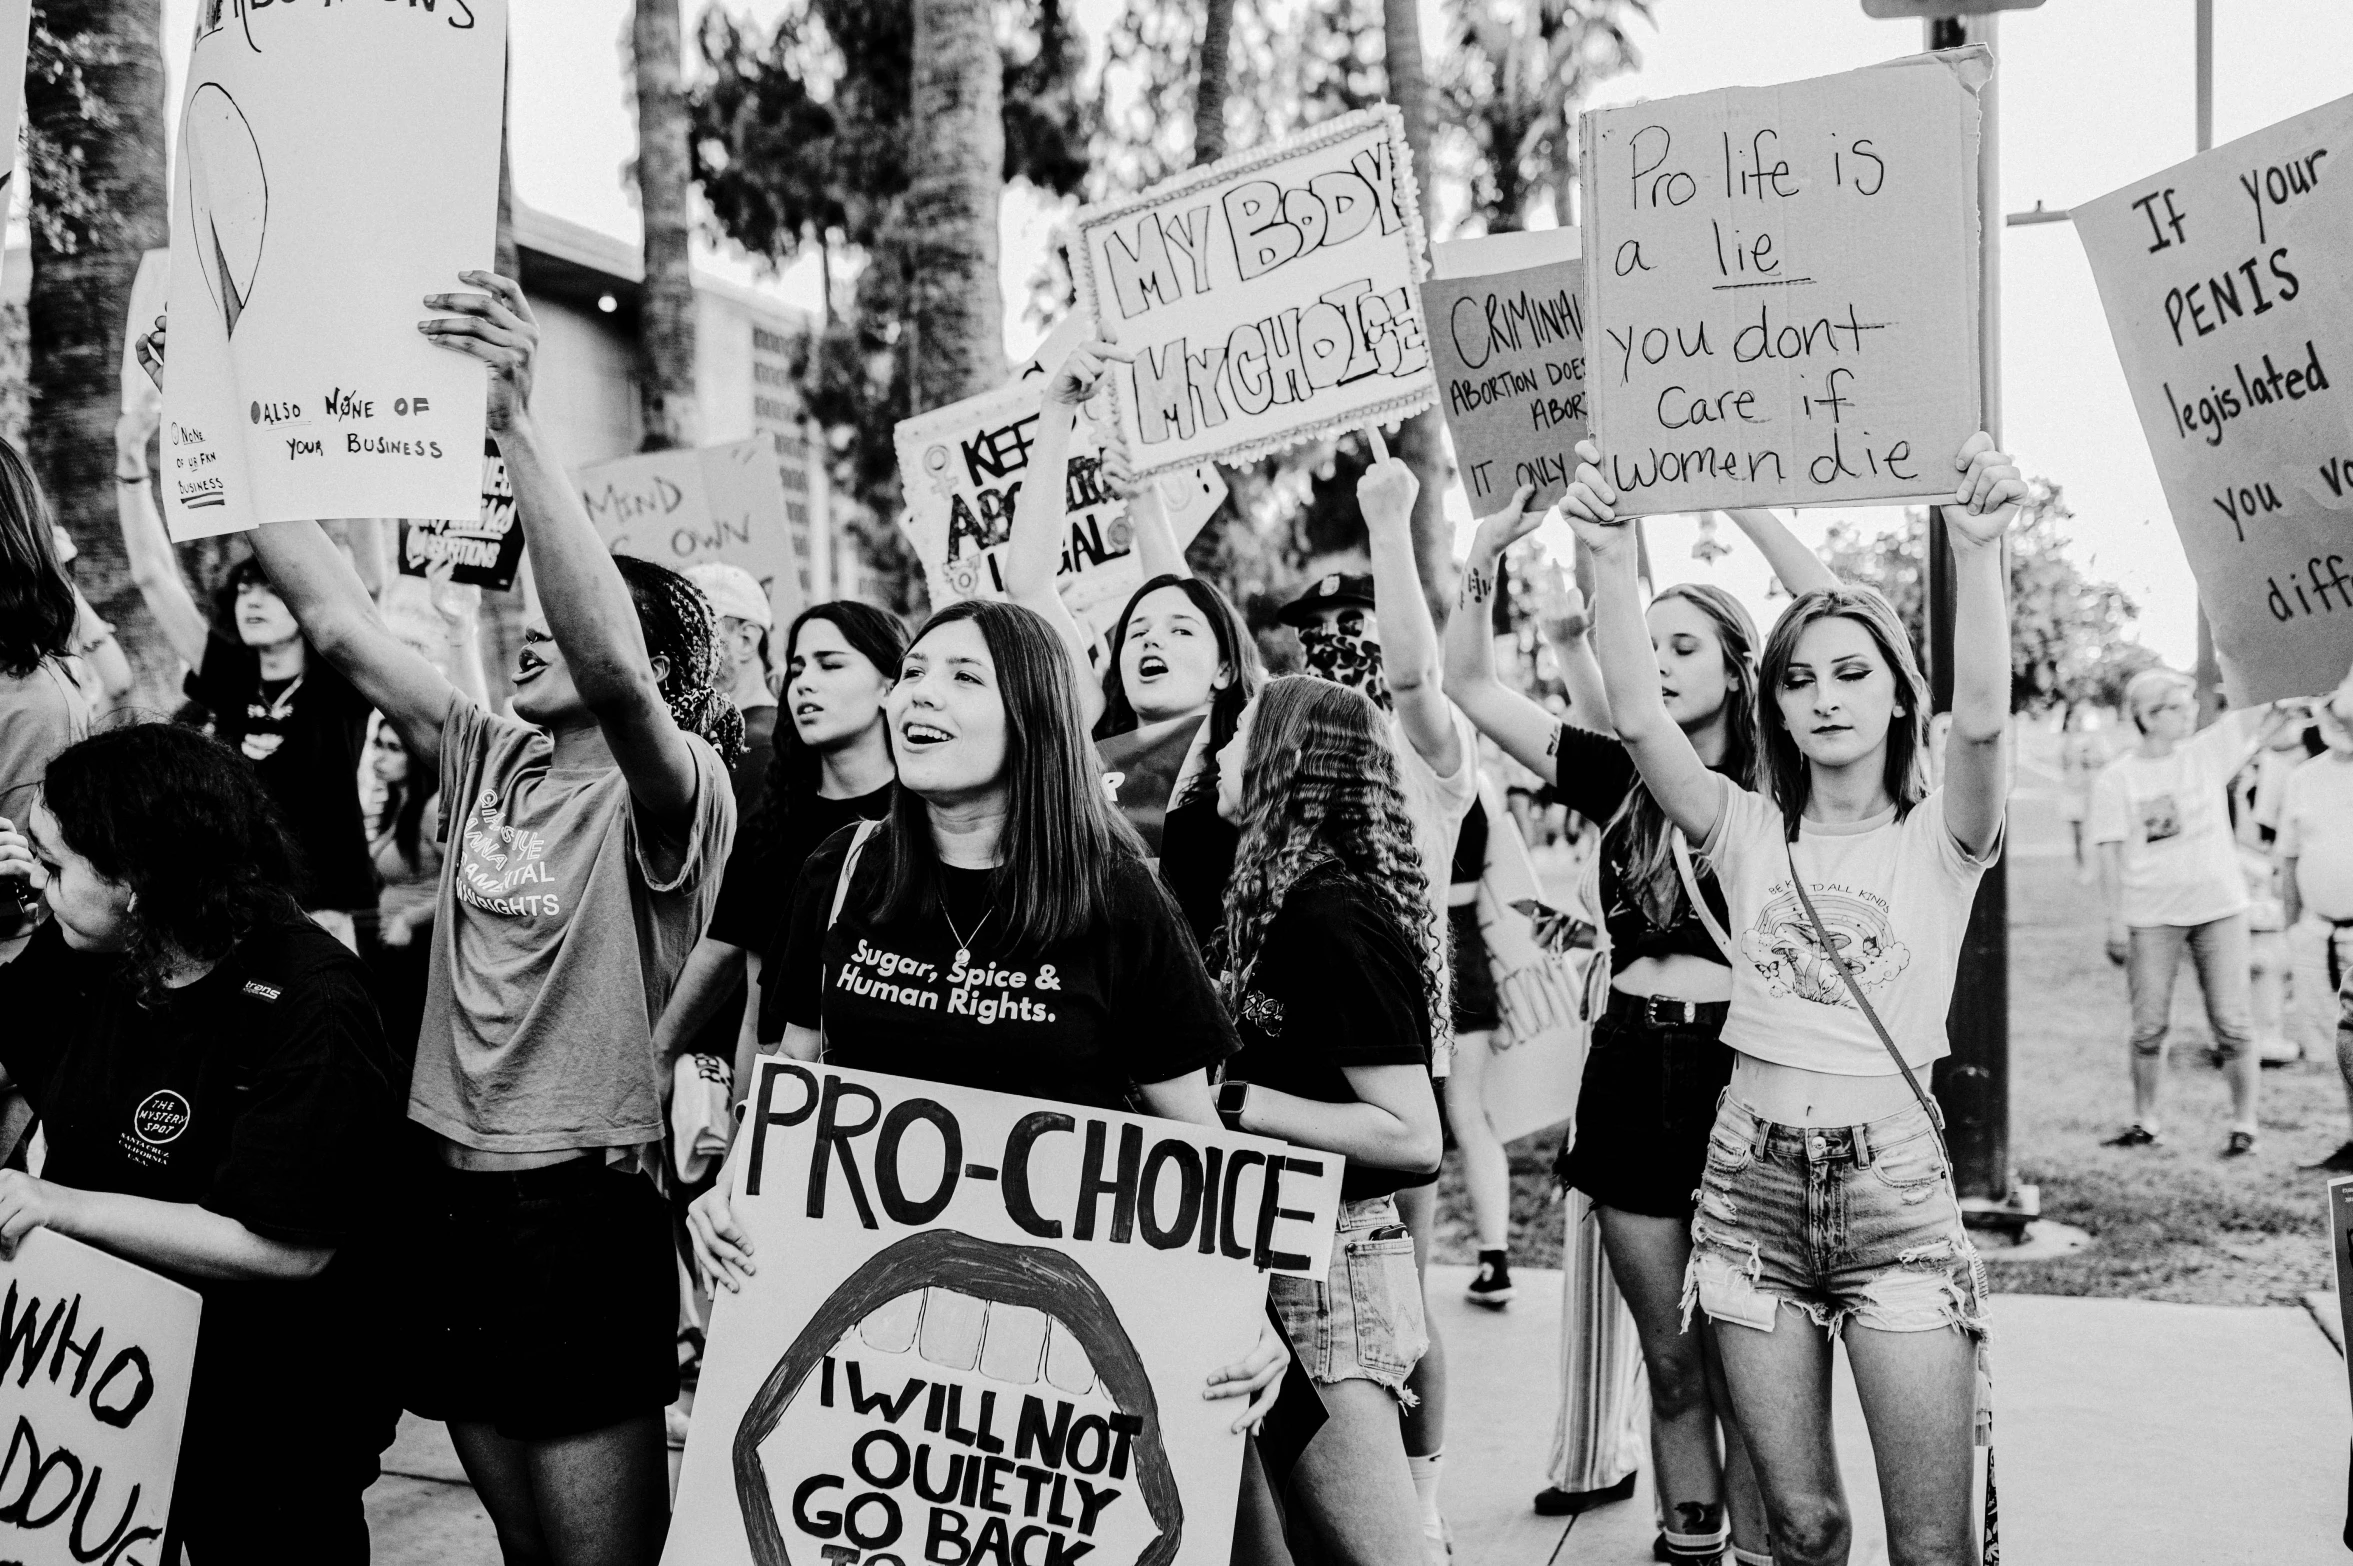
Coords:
pixel 1363 1321
pixel 1839 1222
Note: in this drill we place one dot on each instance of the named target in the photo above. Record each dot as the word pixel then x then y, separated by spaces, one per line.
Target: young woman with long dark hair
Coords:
pixel 1335 982
pixel 1847 887
pixel 221 1106
pixel 1656 1063
pixel 540 1289
pixel 43 707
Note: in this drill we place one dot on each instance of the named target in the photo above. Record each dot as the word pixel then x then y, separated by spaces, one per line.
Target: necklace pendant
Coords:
pixel 963 957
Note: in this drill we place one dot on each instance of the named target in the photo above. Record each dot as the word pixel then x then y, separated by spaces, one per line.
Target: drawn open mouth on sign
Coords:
pixel 958 1400
pixel 228 198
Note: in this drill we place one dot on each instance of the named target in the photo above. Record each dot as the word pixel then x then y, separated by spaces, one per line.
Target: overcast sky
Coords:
pixel 2095 93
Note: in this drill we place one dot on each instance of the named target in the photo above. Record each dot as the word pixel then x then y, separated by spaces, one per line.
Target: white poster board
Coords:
pixel 961 470
pixel 1269 297
pixel 95 1358
pixel 681 508
pixel 335 165
pixel 2224 283
pixel 16 18
pixel 1536 1059
pixel 1784 286
pixel 981 1328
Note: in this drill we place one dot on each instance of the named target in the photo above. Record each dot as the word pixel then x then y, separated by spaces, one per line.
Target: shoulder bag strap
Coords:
pixel 841 895
pixel 1862 1002
pixel 1699 904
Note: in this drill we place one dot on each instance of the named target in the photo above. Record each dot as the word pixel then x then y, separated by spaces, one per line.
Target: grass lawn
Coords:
pixel 2169 1223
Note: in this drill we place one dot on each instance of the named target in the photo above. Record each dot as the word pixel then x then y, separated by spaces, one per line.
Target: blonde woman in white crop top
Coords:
pixel 1825 1210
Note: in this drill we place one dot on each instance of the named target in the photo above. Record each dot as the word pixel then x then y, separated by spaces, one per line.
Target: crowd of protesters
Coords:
pixel 454 1002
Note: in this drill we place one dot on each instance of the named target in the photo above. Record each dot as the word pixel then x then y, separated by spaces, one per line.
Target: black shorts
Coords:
pixel 1474 976
pixel 1643 1113
pixel 543 1302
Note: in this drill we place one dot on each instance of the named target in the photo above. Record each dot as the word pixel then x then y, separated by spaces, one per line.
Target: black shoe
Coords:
pixel 2338 1162
pixel 1557 1502
pixel 2240 1145
pixel 1492 1287
pixel 2134 1135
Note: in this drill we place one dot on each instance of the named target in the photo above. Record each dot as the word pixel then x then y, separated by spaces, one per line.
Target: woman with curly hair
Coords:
pixel 586 836
pixel 220 1105
pixel 1333 978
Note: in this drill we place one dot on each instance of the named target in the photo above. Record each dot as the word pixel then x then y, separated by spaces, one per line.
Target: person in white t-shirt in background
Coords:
pixel 2315 849
pixel 2170 877
pixel 1391 654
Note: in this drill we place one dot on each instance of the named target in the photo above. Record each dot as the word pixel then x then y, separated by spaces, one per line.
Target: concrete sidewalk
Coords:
pixel 2130 1432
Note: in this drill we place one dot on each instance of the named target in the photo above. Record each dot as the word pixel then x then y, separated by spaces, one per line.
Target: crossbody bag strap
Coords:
pixel 1699 904
pixel 841 895
pixel 1862 1002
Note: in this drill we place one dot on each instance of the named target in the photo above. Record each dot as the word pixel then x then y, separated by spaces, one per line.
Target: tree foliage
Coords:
pixel 1516 74
pixel 2069 638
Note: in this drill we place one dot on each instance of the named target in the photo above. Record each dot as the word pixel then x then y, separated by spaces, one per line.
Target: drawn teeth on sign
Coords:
pixel 228 198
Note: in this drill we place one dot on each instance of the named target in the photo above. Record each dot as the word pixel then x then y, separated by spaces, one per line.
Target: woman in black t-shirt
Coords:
pixel 219 1104
pixel 999 929
pixel 1332 974
pixel 1657 1062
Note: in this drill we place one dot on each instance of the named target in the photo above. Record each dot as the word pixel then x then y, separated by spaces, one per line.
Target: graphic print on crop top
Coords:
pixel 1782 944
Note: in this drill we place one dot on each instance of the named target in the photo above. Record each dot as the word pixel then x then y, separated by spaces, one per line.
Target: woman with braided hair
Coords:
pixel 586 839
pixel 1333 977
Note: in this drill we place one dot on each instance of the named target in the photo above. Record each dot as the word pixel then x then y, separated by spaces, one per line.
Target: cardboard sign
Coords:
pixel 484 551
pixel 961 470
pixel 1510 353
pixel 981 1328
pixel 16 18
pixel 96 1355
pixel 1269 297
pixel 2223 280
pixel 1141 769
pixel 1536 1059
pixel 1784 287
pixel 681 508
pixel 335 165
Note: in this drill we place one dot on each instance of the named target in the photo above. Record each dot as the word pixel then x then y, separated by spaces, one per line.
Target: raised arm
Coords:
pixel 588 607
pixel 1976 779
pixel 1409 638
pixel 1157 550
pixel 1033 555
pixel 1799 568
pixel 1570 638
pixel 1523 729
pixel 146 546
pixel 1691 795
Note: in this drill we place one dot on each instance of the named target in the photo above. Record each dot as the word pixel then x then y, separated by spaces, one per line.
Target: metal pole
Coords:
pixel 1973 1083
pixel 2209 666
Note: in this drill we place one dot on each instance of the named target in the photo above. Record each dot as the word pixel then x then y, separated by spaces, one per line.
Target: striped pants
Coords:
pixel 1603 1425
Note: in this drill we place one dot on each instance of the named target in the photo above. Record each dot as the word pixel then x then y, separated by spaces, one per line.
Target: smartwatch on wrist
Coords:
pixel 1232 1094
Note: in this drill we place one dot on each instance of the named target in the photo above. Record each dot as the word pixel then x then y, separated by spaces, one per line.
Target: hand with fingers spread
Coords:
pixel 1591 506
pixel 1258 1377
pixel 1565 619
pixel 1986 499
pixel 496 327
pixel 1073 384
pixel 1506 527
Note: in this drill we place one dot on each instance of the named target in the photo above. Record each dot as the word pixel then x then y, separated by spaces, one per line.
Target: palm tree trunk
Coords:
pixel 99 200
pixel 666 318
pixel 949 219
pixel 1420 444
pixel 1209 93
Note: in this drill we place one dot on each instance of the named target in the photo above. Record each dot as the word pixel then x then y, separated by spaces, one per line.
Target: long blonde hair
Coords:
pixel 1320 784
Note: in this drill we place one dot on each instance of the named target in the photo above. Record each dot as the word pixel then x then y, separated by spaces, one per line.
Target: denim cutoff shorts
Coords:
pixel 1839 1222
pixel 1364 1320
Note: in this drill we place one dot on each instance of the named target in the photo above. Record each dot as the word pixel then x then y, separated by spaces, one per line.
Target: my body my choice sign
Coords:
pixel 981 1328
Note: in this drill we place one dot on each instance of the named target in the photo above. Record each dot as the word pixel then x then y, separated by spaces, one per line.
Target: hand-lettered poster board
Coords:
pixel 335 165
pixel 681 508
pixel 16 18
pixel 96 1355
pixel 485 550
pixel 981 1324
pixel 1269 297
pixel 2224 283
pixel 1540 950
pixel 961 470
pixel 1509 344
pixel 1784 285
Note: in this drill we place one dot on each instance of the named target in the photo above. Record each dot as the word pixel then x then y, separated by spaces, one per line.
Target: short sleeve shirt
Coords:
pixel 304 737
pixel 2316 831
pixel 1087 1020
pixel 1437 804
pixel 2172 815
pixel 1895 895
pixel 557 936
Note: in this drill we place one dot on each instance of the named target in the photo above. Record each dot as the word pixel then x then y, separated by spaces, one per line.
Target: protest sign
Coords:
pixel 961 470
pixel 681 508
pixel 1509 346
pixel 485 550
pixel 1269 297
pixel 2223 280
pixel 1540 956
pixel 299 385
pixel 96 1355
pixel 1784 288
pixel 1141 769
pixel 800 466
pixel 983 1326
pixel 16 18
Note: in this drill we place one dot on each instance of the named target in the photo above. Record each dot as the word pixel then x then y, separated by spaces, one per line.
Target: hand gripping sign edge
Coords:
pixel 1034 1276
